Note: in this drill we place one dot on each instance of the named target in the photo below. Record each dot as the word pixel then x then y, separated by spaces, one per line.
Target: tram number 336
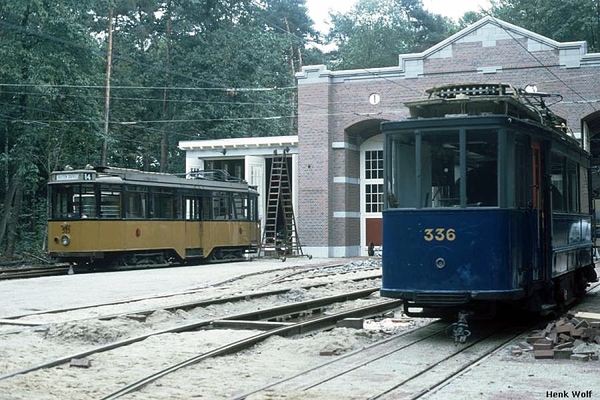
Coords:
pixel 439 234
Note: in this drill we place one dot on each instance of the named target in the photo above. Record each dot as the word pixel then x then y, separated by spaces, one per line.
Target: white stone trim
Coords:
pixel 346 214
pixel 489 70
pixel 346 180
pixel 239 143
pixel 344 145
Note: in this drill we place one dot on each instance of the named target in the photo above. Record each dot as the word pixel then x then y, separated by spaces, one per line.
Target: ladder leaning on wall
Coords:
pixel 280 236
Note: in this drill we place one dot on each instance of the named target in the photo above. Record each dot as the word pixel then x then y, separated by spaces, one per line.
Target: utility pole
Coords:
pixel 164 143
pixel 103 161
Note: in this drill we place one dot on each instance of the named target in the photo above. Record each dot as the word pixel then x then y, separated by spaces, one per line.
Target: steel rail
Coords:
pixel 14 320
pixel 275 312
pixel 130 300
pixel 394 346
pixel 298 328
pixel 464 367
pixel 467 367
pixel 365 358
pixel 32 272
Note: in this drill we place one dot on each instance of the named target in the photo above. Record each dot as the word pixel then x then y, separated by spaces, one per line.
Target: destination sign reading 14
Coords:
pixel 86 176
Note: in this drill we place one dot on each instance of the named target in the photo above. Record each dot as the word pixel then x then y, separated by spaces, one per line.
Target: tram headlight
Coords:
pixel 440 263
pixel 65 240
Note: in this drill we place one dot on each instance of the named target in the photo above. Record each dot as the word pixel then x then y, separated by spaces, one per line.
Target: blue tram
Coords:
pixel 488 203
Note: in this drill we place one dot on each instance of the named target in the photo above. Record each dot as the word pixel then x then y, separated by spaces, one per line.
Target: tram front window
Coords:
pixel 482 168
pixel 434 169
pixel 73 202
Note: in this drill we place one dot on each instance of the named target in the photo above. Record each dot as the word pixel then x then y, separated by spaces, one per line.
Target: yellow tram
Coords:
pixel 110 217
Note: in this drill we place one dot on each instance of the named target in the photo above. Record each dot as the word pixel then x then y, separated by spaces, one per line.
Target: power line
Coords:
pixel 558 78
pixel 228 90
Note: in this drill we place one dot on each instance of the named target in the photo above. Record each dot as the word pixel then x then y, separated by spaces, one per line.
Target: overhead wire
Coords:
pixel 558 78
pixel 373 72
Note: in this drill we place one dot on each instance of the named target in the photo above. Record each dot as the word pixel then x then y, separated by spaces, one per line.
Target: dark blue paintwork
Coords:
pixel 492 255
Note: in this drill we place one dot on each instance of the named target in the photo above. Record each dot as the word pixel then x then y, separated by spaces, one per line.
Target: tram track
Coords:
pixel 284 320
pixel 25 319
pixel 153 365
pixel 320 323
pixel 404 366
pixel 409 366
pixel 33 271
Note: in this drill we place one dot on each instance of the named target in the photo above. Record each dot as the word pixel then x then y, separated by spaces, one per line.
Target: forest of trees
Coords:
pixel 185 70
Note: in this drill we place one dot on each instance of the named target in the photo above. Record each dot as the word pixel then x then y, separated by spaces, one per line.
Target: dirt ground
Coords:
pixel 500 376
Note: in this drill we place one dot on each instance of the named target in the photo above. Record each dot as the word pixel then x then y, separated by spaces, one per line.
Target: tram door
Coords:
pixel 539 255
pixel 596 235
pixel 255 168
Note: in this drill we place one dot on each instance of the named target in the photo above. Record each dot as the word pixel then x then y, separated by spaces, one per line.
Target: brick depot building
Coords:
pixel 337 168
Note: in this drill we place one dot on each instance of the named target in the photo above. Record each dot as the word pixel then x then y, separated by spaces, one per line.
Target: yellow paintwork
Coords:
pixel 94 236
pixel 225 234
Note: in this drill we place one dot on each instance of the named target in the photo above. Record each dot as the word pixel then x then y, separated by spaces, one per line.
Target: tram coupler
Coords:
pixel 460 329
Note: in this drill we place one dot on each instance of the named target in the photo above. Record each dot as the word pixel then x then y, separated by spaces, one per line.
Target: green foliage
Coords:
pixel 187 69
pixel 181 69
pixel 561 20
pixel 375 32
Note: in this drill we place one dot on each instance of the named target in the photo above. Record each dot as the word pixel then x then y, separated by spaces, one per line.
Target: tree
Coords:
pixel 50 61
pixel 561 20
pixel 374 32
pixel 181 69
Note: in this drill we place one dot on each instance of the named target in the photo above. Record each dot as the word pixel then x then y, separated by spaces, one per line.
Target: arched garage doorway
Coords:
pixel 367 141
pixel 371 192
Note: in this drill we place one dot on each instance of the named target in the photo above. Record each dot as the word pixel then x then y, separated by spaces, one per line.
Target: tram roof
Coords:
pixel 212 180
pixel 480 99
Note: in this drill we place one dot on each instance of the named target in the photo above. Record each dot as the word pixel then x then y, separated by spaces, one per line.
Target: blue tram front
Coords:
pixel 485 204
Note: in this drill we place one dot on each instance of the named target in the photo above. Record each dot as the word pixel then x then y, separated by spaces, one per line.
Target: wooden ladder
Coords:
pixel 280 236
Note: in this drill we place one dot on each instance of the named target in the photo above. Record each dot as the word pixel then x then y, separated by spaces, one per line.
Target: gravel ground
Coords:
pixel 501 376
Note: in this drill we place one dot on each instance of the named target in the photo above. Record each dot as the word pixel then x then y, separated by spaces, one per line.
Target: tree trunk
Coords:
pixel 14 222
pixel 8 201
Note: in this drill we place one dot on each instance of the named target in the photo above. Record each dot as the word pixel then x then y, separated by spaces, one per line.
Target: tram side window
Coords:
pixel 221 206
pixel 196 208
pixel 572 186
pixel 163 204
pixel 110 202
pixel 557 178
pixel 521 187
pixel 252 208
pixel 206 208
pixel 136 202
pixel 193 208
pixel 584 195
pixel 565 181
pixel 240 206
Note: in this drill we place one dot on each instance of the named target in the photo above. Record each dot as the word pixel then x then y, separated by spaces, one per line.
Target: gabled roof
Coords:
pixel 487 30
pixel 496 29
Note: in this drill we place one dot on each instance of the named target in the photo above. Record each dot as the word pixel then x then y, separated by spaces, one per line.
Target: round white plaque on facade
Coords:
pixel 374 98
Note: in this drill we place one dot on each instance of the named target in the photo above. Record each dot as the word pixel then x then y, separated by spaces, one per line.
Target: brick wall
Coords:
pixel 334 108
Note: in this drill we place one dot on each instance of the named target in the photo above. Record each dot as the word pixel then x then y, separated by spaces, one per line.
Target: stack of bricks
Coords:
pixel 564 339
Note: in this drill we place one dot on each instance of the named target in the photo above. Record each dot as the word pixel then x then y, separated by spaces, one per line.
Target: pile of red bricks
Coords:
pixel 564 339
